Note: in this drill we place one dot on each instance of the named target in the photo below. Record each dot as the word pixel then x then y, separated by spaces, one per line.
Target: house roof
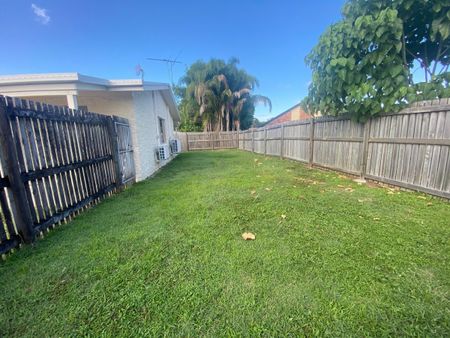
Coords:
pixel 72 83
pixel 281 114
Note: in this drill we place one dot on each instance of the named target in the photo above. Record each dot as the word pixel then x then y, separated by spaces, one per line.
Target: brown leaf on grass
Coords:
pixel 429 203
pixel 376 218
pixel 294 186
pixel 268 189
pixel 422 197
pixel 349 189
pixel 283 216
pixel 390 192
pixel 341 186
pixel 253 192
pixel 248 236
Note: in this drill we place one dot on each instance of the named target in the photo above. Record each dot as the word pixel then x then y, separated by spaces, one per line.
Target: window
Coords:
pixel 162 130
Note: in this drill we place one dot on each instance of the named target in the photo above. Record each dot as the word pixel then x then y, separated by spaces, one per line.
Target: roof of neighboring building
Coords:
pixel 281 114
pixel 71 83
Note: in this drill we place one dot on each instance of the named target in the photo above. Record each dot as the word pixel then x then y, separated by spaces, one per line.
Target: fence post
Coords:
pixel 115 150
pixel 311 142
pixel 187 141
pixel 253 140
pixel 282 141
pixel 365 147
pixel 23 218
pixel 265 141
pixel 211 138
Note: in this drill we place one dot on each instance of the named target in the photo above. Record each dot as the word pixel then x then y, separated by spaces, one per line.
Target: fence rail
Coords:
pixel 54 163
pixel 410 149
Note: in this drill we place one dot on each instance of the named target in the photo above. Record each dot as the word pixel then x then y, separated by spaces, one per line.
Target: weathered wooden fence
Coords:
pixel 54 163
pixel 410 149
pixel 207 141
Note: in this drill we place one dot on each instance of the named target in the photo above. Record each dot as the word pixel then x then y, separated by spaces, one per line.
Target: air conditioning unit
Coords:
pixel 175 146
pixel 163 152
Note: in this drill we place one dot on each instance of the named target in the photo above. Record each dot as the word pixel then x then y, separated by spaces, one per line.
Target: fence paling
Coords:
pixel 56 162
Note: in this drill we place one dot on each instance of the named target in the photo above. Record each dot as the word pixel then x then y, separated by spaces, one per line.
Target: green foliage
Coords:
pixel 166 258
pixel 363 64
pixel 217 95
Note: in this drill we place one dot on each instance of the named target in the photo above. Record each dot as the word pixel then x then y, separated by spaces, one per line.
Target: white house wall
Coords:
pixel 148 106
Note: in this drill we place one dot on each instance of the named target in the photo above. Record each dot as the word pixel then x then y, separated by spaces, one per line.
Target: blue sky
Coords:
pixel 108 38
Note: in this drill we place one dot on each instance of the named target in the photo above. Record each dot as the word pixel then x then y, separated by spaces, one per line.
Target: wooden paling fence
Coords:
pixel 410 149
pixel 54 163
pixel 208 140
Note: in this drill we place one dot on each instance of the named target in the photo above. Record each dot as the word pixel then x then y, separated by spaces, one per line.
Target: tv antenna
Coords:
pixel 169 62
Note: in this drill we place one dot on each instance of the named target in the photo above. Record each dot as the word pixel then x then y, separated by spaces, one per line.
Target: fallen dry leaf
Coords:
pixel 248 236
pixel 253 192
pixel 349 189
pixel 422 197
pixel 376 218
pixel 268 189
pixel 429 203
pixel 294 186
pixel 390 193
pixel 283 216
pixel 340 186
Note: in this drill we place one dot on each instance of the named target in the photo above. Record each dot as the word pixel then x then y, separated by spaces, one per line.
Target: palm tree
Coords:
pixel 233 102
pixel 219 95
pixel 213 98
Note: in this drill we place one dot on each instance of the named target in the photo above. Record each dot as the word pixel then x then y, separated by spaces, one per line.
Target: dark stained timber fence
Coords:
pixel 54 163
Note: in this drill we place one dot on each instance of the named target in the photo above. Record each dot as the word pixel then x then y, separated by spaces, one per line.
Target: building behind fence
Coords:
pixel 54 163
pixel 410 149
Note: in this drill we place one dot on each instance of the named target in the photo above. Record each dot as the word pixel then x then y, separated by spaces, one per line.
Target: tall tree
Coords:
pixel 219 95
pixel 367 63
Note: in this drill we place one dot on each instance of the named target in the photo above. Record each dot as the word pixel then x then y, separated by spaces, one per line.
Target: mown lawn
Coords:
pixel 166 257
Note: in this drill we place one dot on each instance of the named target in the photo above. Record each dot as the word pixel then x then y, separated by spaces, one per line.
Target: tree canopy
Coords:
pixel 217 95
pixel 371 61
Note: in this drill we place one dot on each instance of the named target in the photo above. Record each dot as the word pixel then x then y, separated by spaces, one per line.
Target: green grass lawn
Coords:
pixel 166 257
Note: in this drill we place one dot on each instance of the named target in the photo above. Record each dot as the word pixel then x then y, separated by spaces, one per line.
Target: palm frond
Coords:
pixel 262 99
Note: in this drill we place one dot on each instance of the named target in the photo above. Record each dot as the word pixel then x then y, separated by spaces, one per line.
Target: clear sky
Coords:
pixel 109 38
